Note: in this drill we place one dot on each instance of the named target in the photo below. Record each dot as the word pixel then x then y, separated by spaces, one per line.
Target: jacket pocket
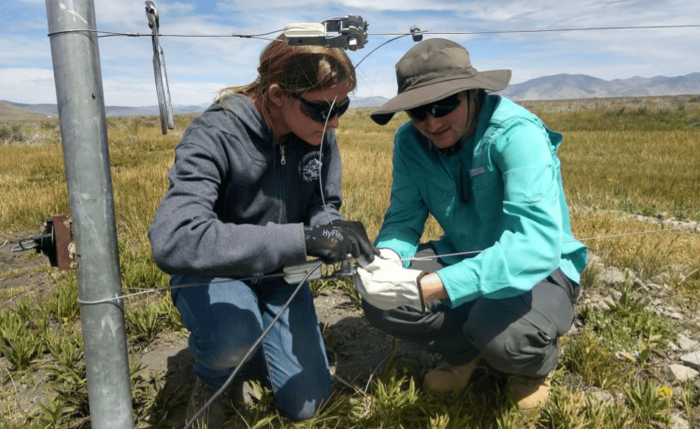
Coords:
pixel 441 201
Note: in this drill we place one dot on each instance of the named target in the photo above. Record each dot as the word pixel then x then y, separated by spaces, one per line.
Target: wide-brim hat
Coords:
pixel 435 69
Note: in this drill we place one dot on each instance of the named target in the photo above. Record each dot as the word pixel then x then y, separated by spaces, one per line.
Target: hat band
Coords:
pixel 443 75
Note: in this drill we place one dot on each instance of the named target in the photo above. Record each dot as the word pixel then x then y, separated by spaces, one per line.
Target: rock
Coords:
pixel 640 283
pixel 678 372
pixel 692 360
pixel 678 422
pixel 612 275
pixel 685 343
pixel 672 346
pixel 675 316
pixel 594 259
pixel 604 397
pixel 661 279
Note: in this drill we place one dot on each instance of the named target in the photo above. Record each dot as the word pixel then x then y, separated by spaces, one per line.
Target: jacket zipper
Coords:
pixel 280 176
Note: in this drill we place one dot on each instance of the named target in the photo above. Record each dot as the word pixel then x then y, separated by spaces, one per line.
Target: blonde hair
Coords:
pixel 296 69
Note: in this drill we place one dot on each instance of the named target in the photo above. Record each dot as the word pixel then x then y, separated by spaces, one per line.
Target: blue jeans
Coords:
pixel 226 316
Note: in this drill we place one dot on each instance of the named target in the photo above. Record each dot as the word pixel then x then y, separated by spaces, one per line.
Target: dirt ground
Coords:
pixel 355 349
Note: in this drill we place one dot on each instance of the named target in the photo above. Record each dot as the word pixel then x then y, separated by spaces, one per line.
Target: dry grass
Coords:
pixel 608 169
pixel 618 157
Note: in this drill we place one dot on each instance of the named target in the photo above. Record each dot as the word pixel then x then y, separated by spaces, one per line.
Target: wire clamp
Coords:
pixel 416 33
pixel 351 33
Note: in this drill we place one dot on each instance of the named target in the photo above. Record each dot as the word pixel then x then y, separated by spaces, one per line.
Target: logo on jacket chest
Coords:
pixel 310 167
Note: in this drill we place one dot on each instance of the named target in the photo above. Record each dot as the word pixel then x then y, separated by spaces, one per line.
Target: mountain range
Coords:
pixel 576 86
pixel 555 87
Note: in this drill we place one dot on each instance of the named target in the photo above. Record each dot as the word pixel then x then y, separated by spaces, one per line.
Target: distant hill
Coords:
pixel 576 86
pixel 8 111
pixel 367 101
pixel 556 87
pixel 110 111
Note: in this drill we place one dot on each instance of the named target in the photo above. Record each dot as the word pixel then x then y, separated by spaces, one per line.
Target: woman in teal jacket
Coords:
pixel 500 284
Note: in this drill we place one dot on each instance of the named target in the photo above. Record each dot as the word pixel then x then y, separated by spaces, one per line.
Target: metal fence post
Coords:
pixel 76 64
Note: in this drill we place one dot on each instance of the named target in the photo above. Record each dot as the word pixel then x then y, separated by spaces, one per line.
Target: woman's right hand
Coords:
pixel 335 241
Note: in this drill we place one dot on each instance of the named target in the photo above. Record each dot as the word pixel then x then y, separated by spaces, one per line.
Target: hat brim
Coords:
pixel 492 80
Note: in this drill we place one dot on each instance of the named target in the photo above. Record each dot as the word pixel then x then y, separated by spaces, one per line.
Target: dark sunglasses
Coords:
pixel 321 111
pixel 437 109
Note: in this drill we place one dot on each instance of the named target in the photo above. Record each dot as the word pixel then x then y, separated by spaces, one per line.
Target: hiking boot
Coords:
pixel 528 393
pixel 453 380
pixel 213 417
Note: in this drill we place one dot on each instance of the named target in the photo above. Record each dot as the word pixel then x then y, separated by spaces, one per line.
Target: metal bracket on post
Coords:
pixel 351 29
pixel 56 242
pixel 166 109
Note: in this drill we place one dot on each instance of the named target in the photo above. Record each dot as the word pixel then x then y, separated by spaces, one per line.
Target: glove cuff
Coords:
pixel 420 290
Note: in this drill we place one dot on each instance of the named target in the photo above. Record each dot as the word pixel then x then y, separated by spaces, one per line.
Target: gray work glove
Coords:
pixel 334 242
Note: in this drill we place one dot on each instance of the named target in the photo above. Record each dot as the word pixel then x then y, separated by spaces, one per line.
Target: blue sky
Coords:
pixel 197 67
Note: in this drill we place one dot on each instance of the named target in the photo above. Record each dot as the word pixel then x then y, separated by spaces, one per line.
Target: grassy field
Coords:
pixel 620 157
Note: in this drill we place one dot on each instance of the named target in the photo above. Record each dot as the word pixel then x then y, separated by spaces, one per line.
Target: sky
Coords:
pixel 198 67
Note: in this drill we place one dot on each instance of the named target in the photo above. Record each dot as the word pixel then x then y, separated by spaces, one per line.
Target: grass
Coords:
pixel 620 157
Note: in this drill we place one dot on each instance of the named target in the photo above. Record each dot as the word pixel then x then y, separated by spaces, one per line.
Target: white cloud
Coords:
pixel 123 92
pixel 197 66
pixel 23 50
pixel 27 85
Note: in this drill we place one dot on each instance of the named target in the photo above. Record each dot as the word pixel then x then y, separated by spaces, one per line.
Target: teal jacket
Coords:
pixel 515 219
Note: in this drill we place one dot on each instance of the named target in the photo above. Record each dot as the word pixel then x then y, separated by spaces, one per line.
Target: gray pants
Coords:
pixel 516 335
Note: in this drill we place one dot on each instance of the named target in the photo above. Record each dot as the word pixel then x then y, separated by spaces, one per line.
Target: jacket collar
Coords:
pixel 245 111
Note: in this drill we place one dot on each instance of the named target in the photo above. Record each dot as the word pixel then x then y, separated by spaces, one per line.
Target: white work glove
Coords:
pixel 389 254
pixel 386 284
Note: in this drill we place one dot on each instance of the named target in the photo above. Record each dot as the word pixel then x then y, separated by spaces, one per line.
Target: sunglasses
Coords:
pixel 437 109
pixel 321 111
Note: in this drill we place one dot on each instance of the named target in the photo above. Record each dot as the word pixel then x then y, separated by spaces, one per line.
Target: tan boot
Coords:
pixel 528 393
pixel 214 417
pixel 454 380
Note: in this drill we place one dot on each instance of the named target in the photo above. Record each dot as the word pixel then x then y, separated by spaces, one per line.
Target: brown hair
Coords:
pixel 296 69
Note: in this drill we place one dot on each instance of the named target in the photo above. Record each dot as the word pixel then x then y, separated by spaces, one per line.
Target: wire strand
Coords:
pixel 252 348
pixel 269 276
pixel 549 30
pixel 422 258
pixel 104 33
pixel 181 286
